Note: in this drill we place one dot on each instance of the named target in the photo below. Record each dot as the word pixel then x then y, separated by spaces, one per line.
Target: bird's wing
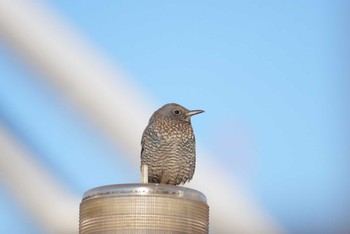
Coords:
pixel 149 134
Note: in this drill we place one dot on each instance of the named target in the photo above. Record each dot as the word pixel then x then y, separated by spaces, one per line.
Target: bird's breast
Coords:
pixel 169 131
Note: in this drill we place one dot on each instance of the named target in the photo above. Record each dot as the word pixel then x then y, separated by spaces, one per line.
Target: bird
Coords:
pixel 168 145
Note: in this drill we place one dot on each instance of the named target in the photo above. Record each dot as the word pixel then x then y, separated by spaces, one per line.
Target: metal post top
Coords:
pixel 117 190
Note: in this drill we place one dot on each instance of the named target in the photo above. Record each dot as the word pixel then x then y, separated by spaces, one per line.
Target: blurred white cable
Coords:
pixel 55 208
pixel 80 74
pixel 117 107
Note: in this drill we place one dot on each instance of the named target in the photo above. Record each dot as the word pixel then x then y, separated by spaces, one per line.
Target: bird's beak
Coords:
pixel 193 112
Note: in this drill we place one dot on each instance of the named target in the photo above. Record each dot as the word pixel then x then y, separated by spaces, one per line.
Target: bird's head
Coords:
pixel 173 111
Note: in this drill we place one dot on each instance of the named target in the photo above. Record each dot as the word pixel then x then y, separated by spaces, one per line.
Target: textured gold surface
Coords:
pixel 150 213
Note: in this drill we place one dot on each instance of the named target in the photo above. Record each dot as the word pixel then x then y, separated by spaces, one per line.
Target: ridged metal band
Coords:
pixel 143 208
pixel 145 189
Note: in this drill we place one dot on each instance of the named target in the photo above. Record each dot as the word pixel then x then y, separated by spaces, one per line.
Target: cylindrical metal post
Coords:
pixel 143 208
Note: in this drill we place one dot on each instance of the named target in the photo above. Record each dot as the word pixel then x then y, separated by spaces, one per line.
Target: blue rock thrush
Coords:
pixel 168 145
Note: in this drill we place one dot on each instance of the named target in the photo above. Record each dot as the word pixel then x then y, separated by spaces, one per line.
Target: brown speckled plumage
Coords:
pixel 168 145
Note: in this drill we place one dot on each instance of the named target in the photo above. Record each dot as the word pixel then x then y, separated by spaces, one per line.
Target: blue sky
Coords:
pixel 270 76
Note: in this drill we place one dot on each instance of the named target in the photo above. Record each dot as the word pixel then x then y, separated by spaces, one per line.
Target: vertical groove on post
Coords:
pixel 143 208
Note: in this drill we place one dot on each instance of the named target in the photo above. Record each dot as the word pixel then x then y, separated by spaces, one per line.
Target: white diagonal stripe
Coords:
pixel 55 208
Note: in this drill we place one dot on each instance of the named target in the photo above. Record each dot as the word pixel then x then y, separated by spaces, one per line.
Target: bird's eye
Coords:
pixel 177 112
